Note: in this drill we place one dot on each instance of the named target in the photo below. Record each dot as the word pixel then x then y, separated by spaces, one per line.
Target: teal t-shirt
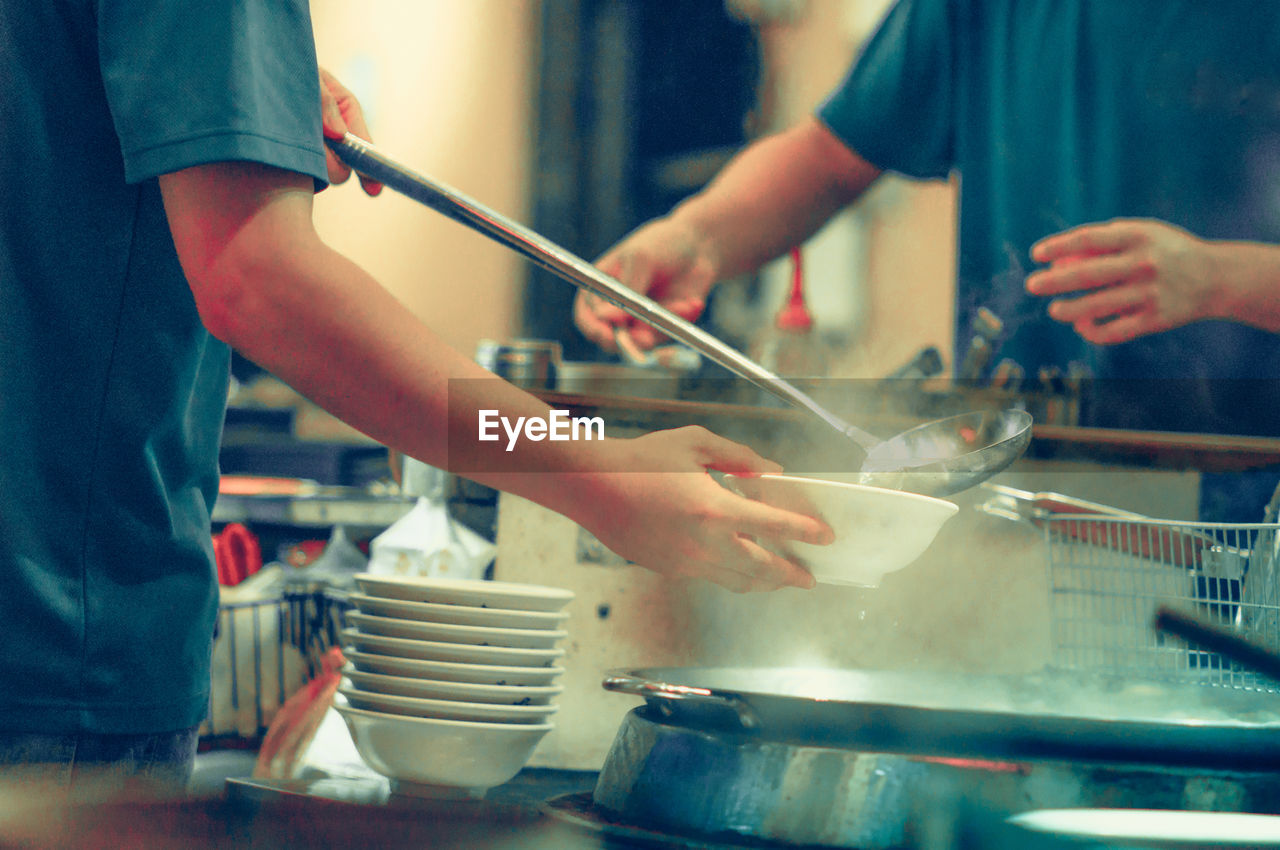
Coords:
pixel 1055 113
pixel 112 393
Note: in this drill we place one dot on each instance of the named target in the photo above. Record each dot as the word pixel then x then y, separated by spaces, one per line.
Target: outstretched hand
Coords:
pixel 1118 280
pixel 661 260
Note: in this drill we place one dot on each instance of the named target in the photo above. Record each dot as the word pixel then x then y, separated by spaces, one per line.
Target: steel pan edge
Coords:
pixel 882 725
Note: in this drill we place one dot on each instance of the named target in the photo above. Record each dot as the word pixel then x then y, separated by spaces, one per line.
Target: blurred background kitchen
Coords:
pixel 583 119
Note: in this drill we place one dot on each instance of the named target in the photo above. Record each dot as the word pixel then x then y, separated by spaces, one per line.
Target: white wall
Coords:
pixel 887 265
pixel 447 89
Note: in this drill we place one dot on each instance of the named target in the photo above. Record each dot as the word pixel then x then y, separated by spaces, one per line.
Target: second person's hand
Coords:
pixel 1125 278
pixel 666 513
pixel 663 260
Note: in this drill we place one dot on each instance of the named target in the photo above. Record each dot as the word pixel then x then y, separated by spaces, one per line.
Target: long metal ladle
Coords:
pixel 942 457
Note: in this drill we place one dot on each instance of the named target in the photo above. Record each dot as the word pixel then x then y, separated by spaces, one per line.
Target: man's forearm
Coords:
pixel 1247 277
pixel 774 195
pixel 412 390
pixel 268 286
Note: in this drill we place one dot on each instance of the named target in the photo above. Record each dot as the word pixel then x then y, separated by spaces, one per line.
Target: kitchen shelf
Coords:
pixel 1158 449
pixel 352 508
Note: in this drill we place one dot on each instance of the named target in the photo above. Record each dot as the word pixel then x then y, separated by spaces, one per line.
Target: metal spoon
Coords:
pixel 977 462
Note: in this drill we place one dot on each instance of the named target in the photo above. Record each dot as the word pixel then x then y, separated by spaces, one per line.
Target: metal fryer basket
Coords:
pixel 266 649
pixel 254 670
pixel 1108 575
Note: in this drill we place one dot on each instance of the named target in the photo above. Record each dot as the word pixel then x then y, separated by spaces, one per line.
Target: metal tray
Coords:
pixel 1048 715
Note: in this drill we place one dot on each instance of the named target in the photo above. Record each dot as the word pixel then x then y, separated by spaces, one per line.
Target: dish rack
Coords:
pixel 264 651
pixel 1109 571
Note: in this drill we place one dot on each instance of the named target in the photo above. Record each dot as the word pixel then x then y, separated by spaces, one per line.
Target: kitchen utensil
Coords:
pixel 1034 716
pixel 462 615
pixel 479 593
pixel 1109 570
pixel 406 686
pixel 926 363
pixel 528 363
pixel 877 531
pixel 1051 380
pixel 986 330
pixel 425 753
pixel 670 778
pixel 961 472
pixel 1261 591
pixel 448 709
pixel 1007 376
pixel 454 633
pixel 946 456
pixel 664 778
pixel 623 380
pixel 430 650
pixel 1214 638
pixel 1169 542
pixel 253 666
pixel 452 671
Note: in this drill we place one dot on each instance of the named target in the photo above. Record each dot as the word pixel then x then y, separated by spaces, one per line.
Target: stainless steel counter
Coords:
pixel 538 810
pixel 345 506
pixel 305 814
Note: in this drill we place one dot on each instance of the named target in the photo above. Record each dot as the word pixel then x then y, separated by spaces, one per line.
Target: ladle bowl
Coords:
pixel 946 456
pixel 957 452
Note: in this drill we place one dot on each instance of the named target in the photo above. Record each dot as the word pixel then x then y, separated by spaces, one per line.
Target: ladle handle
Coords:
pixel 365 159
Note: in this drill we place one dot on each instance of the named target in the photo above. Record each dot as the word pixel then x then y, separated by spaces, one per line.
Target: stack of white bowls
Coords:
pixel 450 684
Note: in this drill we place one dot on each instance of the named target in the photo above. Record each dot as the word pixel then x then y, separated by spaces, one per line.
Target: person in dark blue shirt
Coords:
pixel 158 161
pixel 1130 149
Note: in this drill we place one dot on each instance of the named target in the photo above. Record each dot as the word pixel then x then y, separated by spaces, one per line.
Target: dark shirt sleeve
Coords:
pixel 895 106
pixel 191 83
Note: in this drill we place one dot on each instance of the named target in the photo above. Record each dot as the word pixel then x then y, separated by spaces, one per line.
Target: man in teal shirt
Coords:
pixel 158 161
pixel 1058 117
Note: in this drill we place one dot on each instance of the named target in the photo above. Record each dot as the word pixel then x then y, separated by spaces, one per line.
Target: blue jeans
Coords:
pixel 147 764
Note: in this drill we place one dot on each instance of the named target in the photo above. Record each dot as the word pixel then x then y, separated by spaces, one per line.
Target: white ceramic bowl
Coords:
pixel 429 752
pixel 462 615
pixel 451 671
pixel 404 686
pixel 451 633
pixel 1153 828
pixel 464 653
pixel 877 531
pixel 448 709
pixel 473 593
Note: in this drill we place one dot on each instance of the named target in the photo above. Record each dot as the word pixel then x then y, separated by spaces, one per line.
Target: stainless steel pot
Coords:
pixel 617 379
pixel 538 364
pixel 663 777
pixel 527 363
pixel 1049 715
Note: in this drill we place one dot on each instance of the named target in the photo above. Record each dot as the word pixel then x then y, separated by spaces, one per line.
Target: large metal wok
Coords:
pixel 1049 715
